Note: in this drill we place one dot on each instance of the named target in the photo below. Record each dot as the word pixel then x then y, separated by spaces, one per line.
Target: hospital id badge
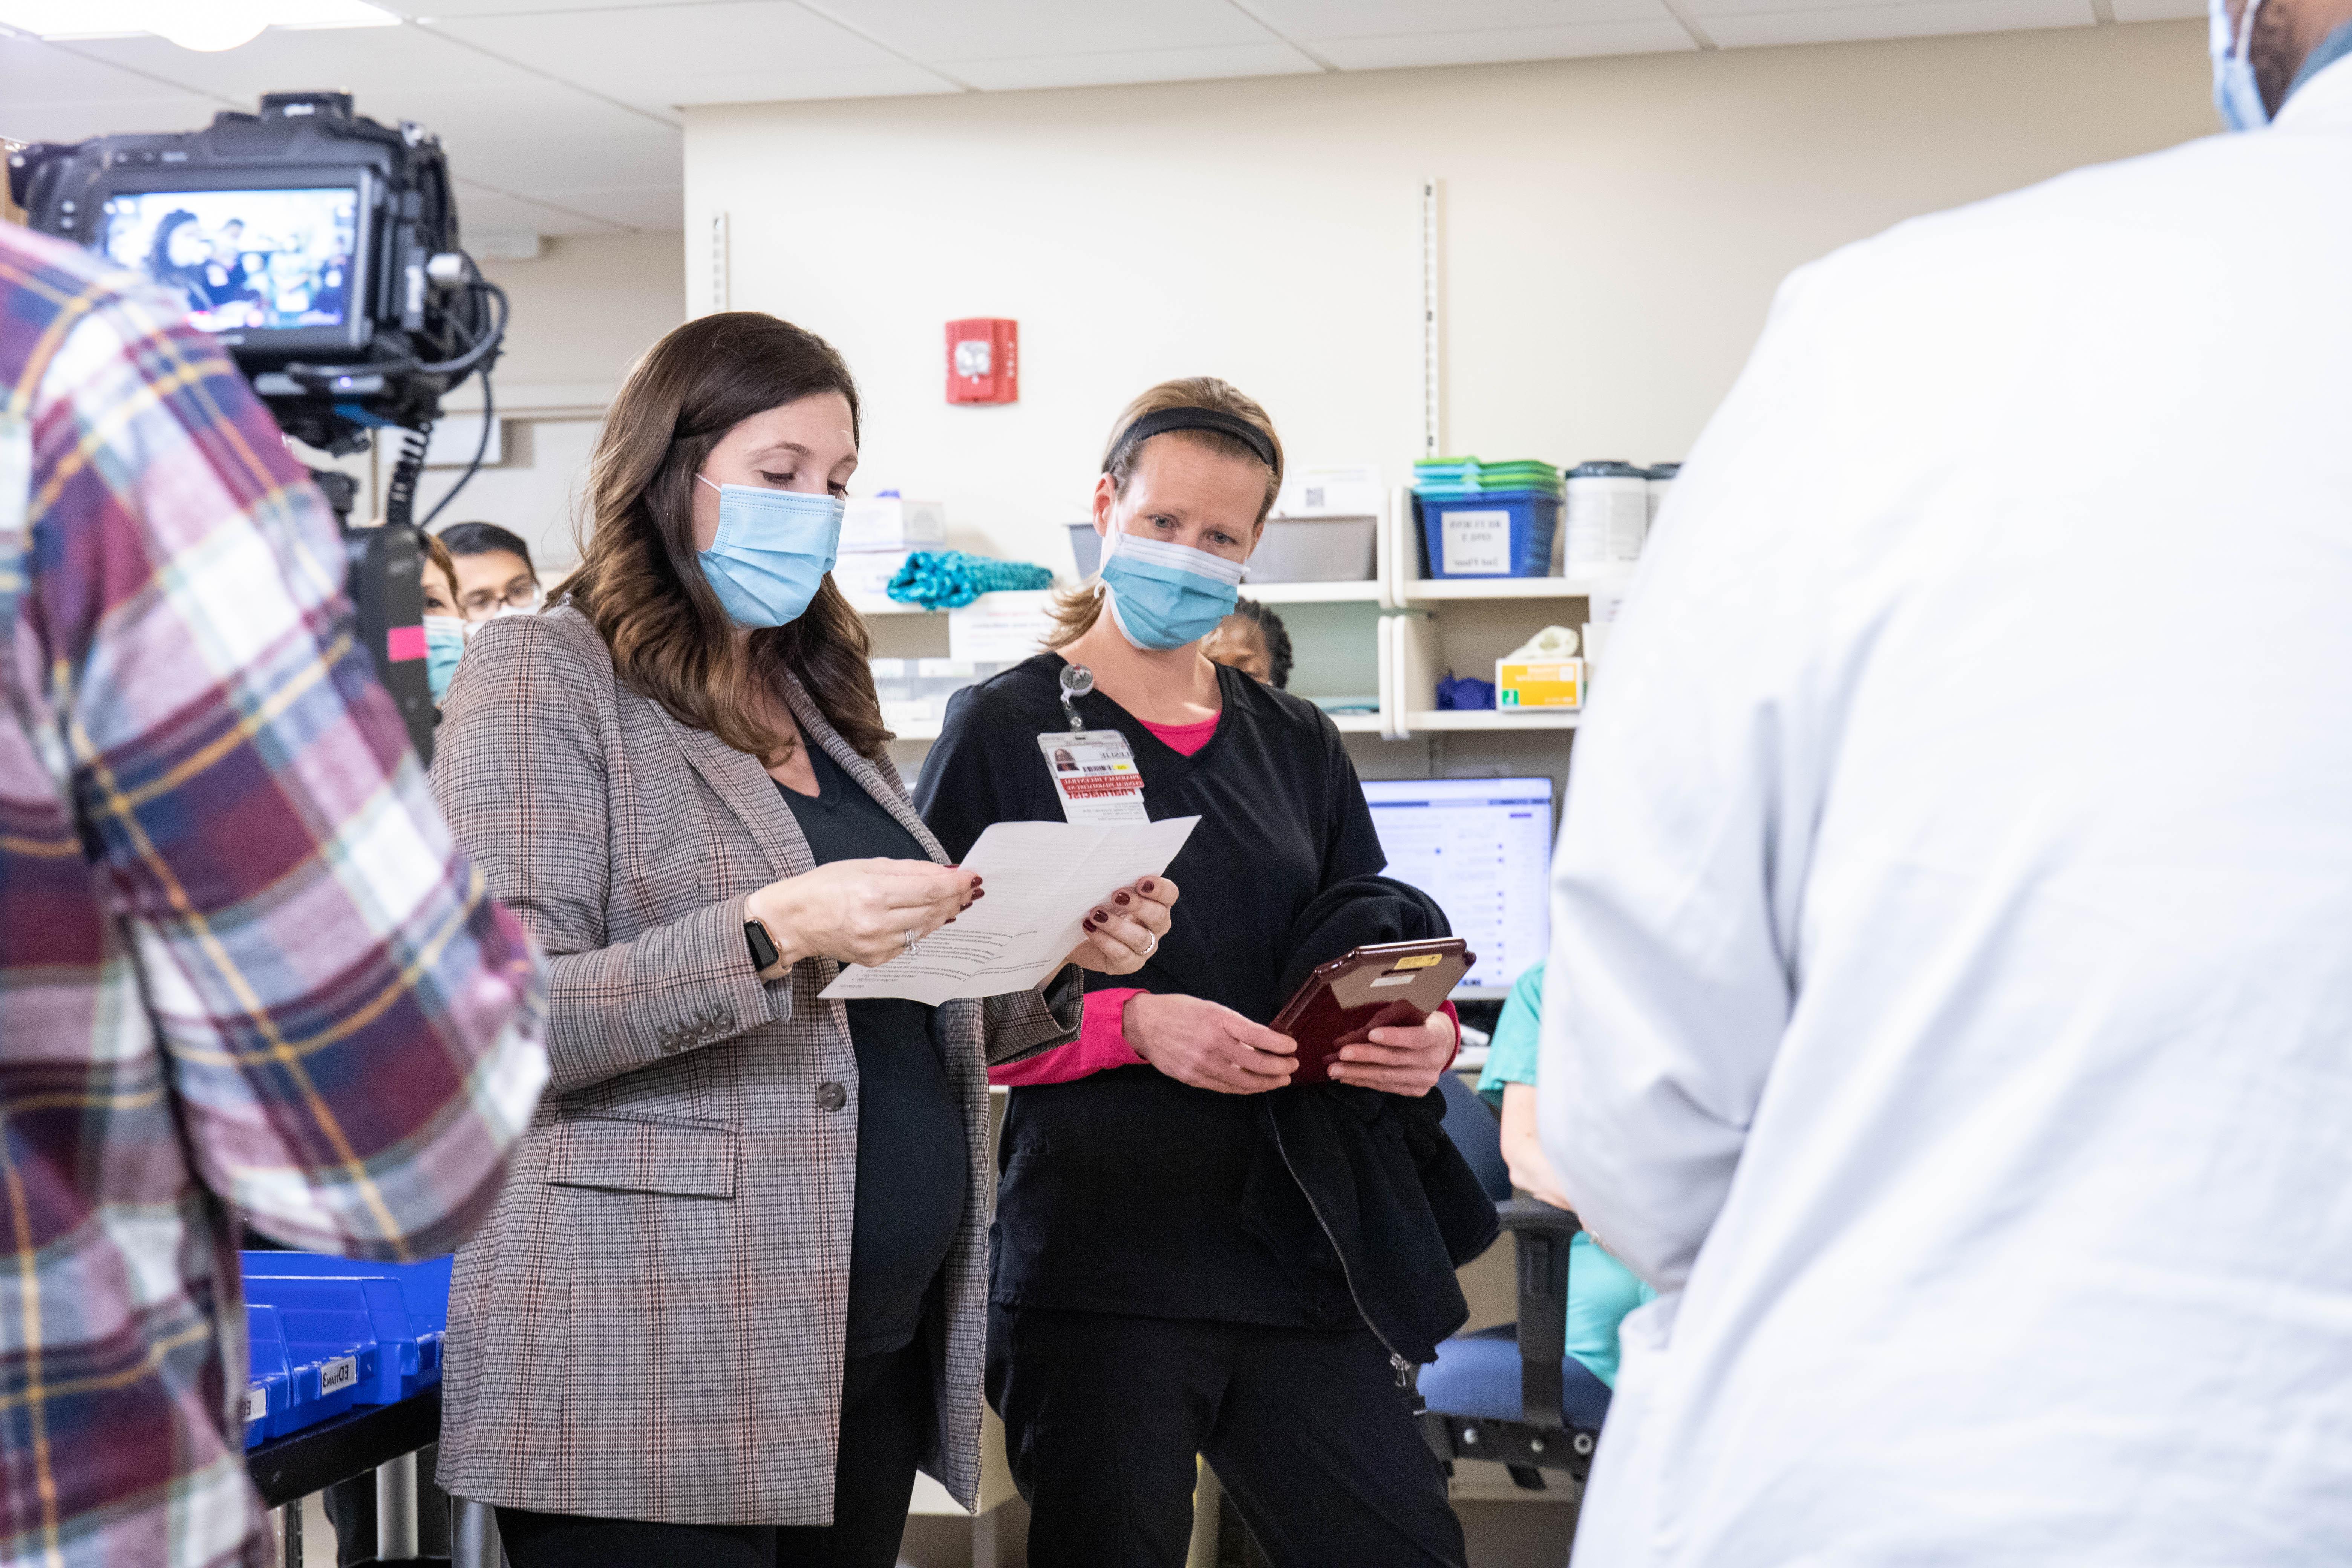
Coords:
pixel 1094 772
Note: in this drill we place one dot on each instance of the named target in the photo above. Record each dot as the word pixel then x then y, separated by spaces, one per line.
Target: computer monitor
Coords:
pixel 1482 848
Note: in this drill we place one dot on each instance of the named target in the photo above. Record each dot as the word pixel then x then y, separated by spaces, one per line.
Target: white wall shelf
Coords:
pixel 1364 593
pixel 1416 632
pixel 1430 721
pixel 1440 590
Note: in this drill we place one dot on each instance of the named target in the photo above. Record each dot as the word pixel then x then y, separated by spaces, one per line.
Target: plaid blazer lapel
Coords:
pixel 739 781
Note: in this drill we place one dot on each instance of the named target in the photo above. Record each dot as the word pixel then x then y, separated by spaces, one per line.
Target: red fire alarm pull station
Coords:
pixel 984 361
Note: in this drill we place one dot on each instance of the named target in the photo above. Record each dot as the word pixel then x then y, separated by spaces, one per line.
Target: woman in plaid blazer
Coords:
pixel 733 1293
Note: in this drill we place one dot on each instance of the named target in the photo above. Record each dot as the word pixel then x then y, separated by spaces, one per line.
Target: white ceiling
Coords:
pixel 563 117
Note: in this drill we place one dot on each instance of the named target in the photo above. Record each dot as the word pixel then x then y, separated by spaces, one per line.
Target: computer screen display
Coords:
pixel 242 259
pixel 1482 848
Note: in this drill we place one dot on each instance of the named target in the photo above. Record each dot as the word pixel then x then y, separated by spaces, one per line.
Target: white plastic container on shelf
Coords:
pixel 1330 493
pixel 864 578
pixel 1608 517
pixel 891 522
pixel 1608 596
pixel 915 691
pixel 1294 550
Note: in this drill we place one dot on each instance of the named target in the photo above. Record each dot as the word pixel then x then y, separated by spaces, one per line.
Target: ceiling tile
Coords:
pixel 497 212
pixel 937 30
pixel 52 94
pixel 421 9
pixel 33 72
pixel 661 207
pixel 1311 22
pixel 101 117
pixel 1122 66
pixel 731 51
pixel 1657 33
pixel 547 135
pixel 1741 23
pixel 379 66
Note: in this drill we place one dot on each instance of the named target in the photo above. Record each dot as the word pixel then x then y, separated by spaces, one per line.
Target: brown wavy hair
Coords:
pixel 1075 610
pixel 639 580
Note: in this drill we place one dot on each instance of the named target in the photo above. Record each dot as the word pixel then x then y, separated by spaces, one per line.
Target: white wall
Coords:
pixel 583 312
pixel 1614 231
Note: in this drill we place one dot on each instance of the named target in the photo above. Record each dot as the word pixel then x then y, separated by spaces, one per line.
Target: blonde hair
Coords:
pixel 1075 610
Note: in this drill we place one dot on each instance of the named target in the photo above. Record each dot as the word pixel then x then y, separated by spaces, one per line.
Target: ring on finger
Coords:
pixel 1154 946
pixel 907 939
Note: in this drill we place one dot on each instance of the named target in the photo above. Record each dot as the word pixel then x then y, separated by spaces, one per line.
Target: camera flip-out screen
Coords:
pixel 245 260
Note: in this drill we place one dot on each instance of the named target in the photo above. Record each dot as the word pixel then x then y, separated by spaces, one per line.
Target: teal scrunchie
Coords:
pixel 949 579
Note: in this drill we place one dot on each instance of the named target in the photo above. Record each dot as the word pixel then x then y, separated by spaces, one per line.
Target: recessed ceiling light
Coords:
pixel 208 24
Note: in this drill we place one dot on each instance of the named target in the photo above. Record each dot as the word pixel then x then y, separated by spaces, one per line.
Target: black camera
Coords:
pixel 321 248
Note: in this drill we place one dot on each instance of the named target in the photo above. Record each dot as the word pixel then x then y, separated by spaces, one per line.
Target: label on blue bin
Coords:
pixel 256 1403
pixel 1475 544
pixel 338 1374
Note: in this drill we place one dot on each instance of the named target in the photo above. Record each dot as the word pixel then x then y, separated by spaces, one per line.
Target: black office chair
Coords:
pixel 1512 1394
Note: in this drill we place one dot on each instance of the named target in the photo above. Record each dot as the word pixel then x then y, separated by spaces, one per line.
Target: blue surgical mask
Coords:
pixel 1165 596
pixel 445 644
pixel 772 552
pixel 2235 93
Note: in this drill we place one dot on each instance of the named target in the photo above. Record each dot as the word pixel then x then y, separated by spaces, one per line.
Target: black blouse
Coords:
pixel 1123 1192
pixel 910 1138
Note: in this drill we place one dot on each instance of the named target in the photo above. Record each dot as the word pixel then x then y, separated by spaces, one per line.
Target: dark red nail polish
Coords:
pixel 1086 925
pixel 1121 898
pixel 1146 884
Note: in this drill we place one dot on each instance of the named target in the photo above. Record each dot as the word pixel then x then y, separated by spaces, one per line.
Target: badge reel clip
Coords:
pixel 1077 681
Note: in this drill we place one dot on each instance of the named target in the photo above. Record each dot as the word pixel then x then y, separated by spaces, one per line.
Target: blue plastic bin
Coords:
pixel 268 1380
pixel 1498 533
pixel 321 1376
pixel 407 1306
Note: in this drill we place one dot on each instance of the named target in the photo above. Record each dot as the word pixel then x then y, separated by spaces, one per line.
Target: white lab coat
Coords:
pixel 1952 998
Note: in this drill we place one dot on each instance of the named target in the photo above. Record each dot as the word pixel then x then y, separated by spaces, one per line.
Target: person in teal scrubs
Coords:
pixel 1601 1290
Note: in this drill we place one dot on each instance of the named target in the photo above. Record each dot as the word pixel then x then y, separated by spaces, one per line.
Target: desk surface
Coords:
pixel 352 1444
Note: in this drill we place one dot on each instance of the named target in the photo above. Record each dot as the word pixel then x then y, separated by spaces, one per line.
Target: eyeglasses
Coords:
pixel 523 598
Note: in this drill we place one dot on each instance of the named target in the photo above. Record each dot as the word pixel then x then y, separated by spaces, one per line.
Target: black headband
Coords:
pixel 1217 419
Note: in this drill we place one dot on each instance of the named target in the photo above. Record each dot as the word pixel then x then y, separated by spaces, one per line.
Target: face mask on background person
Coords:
pixel 2235 93
pixel 772 550
pixel 445 644
pixel 1165 596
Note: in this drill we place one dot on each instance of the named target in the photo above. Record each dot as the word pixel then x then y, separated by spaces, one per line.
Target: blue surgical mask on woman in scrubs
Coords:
pixel 1163 596
pixel 772 550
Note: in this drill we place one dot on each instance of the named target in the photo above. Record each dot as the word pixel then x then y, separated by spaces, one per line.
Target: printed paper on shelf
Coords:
pixel 256 1403
pixel 341 1372
pixel 1477 542
pixel 1042 878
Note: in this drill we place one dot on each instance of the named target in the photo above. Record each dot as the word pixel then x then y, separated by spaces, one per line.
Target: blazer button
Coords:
pixel 832 1096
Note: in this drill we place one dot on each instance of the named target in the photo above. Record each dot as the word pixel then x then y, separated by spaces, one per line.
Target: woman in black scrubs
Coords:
pixel 1159 1288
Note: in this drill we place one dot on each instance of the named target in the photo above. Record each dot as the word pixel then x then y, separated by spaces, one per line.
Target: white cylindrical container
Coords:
pixel 1662 479
pixel 1608 516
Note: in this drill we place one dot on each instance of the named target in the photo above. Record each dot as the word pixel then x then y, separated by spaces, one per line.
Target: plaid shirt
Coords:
pixel 240 962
